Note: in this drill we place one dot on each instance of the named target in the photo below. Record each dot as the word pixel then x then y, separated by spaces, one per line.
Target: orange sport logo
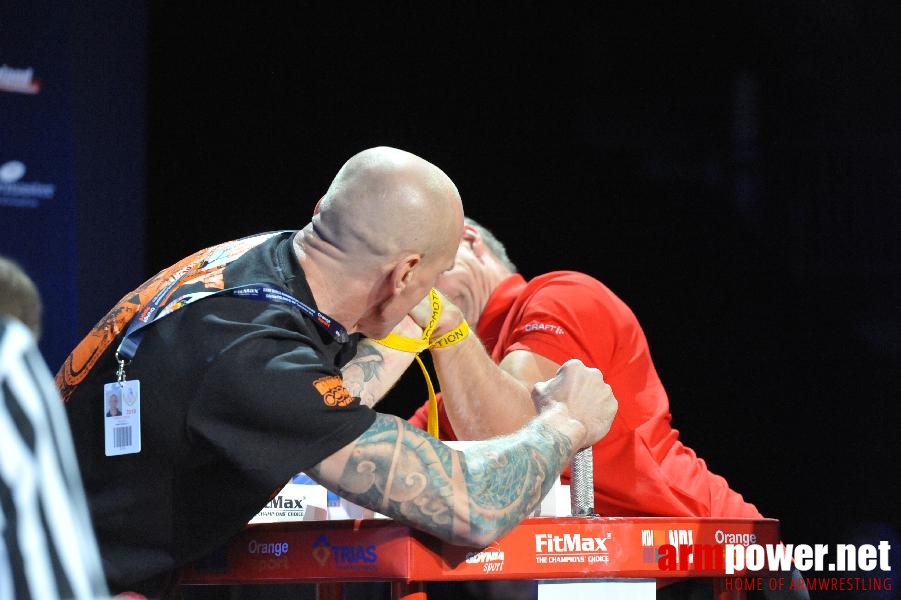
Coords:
pixel 332 390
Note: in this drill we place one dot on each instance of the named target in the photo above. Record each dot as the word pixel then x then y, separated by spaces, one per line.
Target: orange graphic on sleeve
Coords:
pixel 204 266
pixel 332 390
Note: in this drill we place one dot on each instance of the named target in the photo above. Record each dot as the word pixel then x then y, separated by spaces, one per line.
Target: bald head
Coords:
pixel 388 225
pixel 386 202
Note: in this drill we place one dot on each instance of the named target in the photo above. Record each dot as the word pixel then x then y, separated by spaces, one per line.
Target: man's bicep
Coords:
pixel 529 367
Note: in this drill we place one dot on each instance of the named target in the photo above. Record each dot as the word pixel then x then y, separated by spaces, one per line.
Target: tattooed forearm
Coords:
pixel 507 480
pixel 374 370
pixel 464 497
pixel 399 471
pixel 362 372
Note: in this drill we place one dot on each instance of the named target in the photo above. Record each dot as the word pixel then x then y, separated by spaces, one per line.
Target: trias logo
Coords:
pixel 347 557
pixel 571 547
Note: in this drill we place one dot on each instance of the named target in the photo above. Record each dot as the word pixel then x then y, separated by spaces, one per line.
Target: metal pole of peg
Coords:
pixel 581 484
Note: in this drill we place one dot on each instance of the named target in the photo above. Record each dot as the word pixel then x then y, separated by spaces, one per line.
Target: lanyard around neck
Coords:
pixel 153 312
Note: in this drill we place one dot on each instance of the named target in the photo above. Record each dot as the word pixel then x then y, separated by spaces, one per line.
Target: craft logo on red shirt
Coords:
pixel 545 327
pixel 332 390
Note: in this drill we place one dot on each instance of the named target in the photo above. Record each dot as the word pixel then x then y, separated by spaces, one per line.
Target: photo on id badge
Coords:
pixel 122 417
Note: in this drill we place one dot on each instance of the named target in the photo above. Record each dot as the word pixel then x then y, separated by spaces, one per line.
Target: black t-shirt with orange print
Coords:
pixel 236 395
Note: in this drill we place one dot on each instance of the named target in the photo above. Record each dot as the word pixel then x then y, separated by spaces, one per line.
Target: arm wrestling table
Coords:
pixel 564 553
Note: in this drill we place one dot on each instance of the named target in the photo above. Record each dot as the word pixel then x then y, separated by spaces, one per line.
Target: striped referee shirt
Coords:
pixel 48 549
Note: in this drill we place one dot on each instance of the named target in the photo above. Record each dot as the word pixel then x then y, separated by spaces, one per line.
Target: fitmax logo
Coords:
pixel 546 543
pixel 286 503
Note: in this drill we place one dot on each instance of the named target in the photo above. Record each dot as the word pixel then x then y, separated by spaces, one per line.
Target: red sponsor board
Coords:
pixel 539 548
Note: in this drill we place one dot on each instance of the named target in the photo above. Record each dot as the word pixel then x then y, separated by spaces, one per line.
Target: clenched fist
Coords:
pixel 583 394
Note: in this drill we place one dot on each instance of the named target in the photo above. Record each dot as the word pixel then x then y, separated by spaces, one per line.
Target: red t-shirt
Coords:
pixel 640 467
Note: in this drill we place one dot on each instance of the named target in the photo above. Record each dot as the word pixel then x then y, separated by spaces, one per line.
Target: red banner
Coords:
pixel 539 548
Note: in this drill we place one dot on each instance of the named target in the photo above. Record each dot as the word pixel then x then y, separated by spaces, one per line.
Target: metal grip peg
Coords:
pixel 581 484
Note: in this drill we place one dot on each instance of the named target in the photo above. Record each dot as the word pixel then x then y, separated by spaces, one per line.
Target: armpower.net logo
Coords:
pixel 863 567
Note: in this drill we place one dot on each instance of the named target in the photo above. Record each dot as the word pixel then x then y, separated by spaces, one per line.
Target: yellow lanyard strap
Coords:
pixel 432 424
pixel 415 346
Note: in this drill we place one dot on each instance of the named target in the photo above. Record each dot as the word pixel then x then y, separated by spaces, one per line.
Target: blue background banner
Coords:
pixel 72 158
pixel 37 198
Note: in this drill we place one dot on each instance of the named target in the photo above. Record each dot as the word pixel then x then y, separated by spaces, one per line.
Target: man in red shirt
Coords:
pixel 530 328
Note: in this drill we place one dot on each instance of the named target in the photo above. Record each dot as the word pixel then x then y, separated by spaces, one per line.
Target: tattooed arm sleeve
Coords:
pixel 374 370
pixel 464 497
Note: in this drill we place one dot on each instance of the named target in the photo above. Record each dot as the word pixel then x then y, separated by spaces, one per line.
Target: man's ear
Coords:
pixel 402 273
pixel 472 236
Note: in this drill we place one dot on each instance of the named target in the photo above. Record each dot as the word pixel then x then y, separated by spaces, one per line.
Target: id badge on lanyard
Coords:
pixel 122 398
pixel 122 417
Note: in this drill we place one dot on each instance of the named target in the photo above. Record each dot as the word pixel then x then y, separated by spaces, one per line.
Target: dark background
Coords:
pixel 731 171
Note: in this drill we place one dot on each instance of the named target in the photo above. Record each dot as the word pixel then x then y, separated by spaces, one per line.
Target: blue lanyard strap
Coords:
pixel 253 291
